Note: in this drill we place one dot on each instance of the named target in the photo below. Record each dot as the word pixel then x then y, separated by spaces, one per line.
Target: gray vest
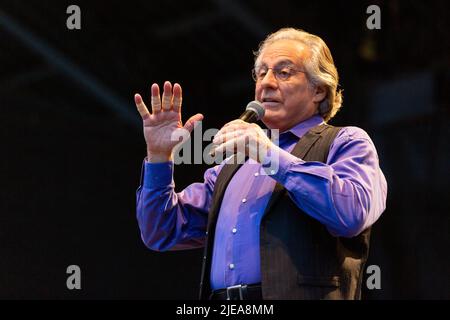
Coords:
pixel 300 259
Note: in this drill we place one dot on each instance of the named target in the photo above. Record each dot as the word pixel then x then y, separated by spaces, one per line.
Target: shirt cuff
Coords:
pixel 158 174
pixel 278 162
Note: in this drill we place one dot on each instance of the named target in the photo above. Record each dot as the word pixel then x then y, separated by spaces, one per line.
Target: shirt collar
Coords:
pixel 300 129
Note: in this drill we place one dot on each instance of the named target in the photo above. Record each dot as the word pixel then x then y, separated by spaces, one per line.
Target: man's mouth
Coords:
pixel 270 102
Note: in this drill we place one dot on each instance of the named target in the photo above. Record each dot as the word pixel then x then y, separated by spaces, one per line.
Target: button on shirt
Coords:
pixel 347 194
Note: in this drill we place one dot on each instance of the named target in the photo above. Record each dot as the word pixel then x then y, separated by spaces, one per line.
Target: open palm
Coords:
pixel 164 124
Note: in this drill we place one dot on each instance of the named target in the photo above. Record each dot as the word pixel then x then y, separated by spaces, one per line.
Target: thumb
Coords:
pixel 189 125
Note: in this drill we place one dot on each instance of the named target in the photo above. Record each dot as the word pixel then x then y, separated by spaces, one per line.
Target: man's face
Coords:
pixel 286 102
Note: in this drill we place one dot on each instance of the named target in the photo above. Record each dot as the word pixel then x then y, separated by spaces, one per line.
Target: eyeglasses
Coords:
pixel 281 73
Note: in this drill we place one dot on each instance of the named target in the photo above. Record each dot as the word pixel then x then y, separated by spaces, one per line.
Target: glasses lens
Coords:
pixel 283 73
pixel 259 73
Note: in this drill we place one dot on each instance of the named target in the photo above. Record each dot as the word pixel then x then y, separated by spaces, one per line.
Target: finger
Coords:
pixel 177 97
pixel 236 122
pixel 167 96
pixel 232 126
pixel 232 145
pixel 189 125
pixel 156 99
pixel 142 108
pixel 227 136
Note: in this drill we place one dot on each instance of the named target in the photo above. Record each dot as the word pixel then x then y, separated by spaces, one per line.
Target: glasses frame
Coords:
pixel 276 73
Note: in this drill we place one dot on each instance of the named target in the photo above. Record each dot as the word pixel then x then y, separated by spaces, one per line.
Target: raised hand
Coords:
pixel 164 123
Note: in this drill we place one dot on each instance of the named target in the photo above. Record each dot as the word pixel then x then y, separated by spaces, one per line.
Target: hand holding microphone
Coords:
pixel 242 135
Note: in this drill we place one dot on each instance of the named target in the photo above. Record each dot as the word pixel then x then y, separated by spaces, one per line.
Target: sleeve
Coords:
pixel 348 193
pixel 169 220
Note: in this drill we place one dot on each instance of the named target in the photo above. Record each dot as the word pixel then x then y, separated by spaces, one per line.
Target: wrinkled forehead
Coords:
pixel 282 51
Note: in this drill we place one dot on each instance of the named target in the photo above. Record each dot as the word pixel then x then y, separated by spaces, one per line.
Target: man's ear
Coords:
pixel 319 94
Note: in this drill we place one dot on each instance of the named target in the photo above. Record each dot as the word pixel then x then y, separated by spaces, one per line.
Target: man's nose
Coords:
pixel 269 80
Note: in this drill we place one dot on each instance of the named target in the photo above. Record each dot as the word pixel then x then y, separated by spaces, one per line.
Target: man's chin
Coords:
pixel 273 121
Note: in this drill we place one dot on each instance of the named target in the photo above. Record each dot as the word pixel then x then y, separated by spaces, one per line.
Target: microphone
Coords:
pixel 253 112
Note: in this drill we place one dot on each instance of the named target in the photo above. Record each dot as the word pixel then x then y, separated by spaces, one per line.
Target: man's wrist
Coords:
pixel 158 158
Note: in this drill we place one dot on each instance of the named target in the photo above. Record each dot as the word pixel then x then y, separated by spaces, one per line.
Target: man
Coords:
pixel 299 232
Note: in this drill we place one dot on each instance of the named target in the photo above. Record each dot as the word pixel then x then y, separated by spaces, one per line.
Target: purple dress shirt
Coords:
pixel 347 194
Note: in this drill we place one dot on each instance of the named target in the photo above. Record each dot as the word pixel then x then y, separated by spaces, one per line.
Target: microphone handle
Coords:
pixel 249 116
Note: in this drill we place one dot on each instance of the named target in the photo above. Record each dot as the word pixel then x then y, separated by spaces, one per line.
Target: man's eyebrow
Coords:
pixel 284 62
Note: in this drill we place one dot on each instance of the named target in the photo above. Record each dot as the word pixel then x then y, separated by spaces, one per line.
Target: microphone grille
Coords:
pixel 257 107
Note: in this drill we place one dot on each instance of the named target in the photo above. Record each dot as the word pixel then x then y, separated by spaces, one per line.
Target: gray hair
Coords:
pixel 320 68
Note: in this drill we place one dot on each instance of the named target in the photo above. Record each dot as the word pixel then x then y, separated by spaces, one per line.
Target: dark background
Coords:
pixel 72 145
